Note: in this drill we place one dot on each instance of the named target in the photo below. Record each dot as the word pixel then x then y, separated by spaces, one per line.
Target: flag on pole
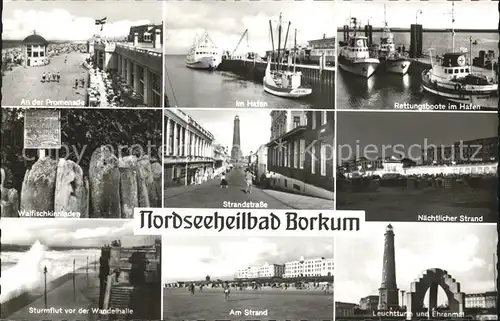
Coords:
pixel 101 22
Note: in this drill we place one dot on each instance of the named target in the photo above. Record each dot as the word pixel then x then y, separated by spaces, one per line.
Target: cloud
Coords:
pixel 434 14
pixel 226 22
pixel 222 257
pixel 464 251
pixel 60 24
pixel 62 232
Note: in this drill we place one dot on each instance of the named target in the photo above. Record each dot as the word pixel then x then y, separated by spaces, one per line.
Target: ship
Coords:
pixel 453 79
pixel 391 60
pixel 281 81
pixel 354 57
pixel 204 54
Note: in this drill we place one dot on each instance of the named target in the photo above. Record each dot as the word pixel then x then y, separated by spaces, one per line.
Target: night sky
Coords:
pixel 407 128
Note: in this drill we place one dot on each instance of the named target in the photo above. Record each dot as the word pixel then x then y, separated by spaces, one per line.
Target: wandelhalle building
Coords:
pixel 301 151
pixel 138 61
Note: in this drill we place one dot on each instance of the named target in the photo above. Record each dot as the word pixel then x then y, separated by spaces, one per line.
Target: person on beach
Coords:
pixel 223 181
pixel 226 292
pixel 191 288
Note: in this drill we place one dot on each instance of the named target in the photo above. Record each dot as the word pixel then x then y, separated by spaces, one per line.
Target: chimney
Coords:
pixel 157 39
pixel 136 39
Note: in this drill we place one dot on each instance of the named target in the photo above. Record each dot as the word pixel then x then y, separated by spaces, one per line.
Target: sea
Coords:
pixel 187 87
pixel 382 90
pixel 22 267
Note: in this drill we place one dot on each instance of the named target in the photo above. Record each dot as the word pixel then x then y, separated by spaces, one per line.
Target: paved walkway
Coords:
pixel 63 297
pixel 25 83
pixel 210 195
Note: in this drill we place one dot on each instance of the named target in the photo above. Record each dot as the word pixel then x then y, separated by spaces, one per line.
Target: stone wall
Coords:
pixel 113 188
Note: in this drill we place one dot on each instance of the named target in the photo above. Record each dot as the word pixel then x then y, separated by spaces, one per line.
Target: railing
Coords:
pixel 107 294
pixel 147 51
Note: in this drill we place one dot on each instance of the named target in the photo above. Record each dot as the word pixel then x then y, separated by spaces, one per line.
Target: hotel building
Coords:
pixel 301 268
pixel 485 300
pixel 188 149
pixel 138 62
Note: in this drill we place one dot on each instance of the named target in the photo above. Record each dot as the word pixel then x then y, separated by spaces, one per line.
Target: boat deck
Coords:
pixel 476 70
pixel 316 67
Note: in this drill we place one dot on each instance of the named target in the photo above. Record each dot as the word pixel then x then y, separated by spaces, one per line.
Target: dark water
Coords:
pixel 383 90
pixel 186 87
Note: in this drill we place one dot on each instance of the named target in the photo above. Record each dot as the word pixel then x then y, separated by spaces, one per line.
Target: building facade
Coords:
pixel 188 149
pixel 138 63
pixel 324 46
pixel 35 51
pixel 482 150
pixel 302 148
pixel 485 300
pixel 310 267
pixel 344 309
pixel 369 303
pixel 265 271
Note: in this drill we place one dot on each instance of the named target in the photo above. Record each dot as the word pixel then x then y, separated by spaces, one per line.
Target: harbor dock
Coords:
pixel 255 70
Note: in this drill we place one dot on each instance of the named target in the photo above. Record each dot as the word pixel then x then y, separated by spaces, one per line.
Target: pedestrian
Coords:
pixel 223 182
pixel 43 77
pixel 76 83
pixel 226 292
pixel 49 77
pixel 58 76
pixel 249 176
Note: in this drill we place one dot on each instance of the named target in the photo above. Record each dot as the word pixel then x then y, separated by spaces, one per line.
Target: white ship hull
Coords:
pixel 399 66
pixel 209 62
pixel 362 69
pixel 287 93
pixel 468 100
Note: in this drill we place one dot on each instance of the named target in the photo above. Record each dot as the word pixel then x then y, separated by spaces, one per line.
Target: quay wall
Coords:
pixel 256 70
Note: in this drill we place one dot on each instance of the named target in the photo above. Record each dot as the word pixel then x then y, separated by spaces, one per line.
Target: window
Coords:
pixel 302 148
pixel 323 117
pixel 296 121
pixel 323 159
pixel 313 123
pixel 295 153
pixel 313 159
pixel 287 155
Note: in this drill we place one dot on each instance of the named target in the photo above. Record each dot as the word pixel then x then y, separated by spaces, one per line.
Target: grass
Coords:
pixel 180 305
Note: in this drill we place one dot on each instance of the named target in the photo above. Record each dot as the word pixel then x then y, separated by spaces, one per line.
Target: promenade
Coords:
pixel 25 83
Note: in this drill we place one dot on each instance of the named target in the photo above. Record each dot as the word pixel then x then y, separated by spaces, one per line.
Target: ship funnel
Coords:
pixel 136 39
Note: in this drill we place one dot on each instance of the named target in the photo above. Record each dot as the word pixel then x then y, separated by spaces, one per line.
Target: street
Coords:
pixel 25 83
pixel 210 195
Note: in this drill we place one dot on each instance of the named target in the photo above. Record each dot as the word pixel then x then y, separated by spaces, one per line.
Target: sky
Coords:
pixel 75 21
pixel 187 259
pixel 435 15
pixel 359 129
pixel 464 250
pixel 73 232
pixel 255 126
pixel 225 22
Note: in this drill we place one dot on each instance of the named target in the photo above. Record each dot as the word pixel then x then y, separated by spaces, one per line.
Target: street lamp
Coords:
pixel 419 11
pixel 45 281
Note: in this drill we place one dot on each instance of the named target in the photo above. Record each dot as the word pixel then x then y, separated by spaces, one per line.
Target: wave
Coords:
pixel 27 274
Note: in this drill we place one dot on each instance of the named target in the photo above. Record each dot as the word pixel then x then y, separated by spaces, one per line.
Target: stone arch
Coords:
pixel 430 280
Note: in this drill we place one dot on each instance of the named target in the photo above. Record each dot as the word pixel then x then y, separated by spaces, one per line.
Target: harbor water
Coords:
pixel 187 87
pixel 383 90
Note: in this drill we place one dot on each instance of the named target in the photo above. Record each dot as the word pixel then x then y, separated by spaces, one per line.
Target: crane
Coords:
pixel 239 42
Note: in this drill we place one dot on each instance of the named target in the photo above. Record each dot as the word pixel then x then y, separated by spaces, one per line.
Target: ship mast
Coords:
pixel 272 39
pixel 453 26
pixel 279 43
pixel 295 51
